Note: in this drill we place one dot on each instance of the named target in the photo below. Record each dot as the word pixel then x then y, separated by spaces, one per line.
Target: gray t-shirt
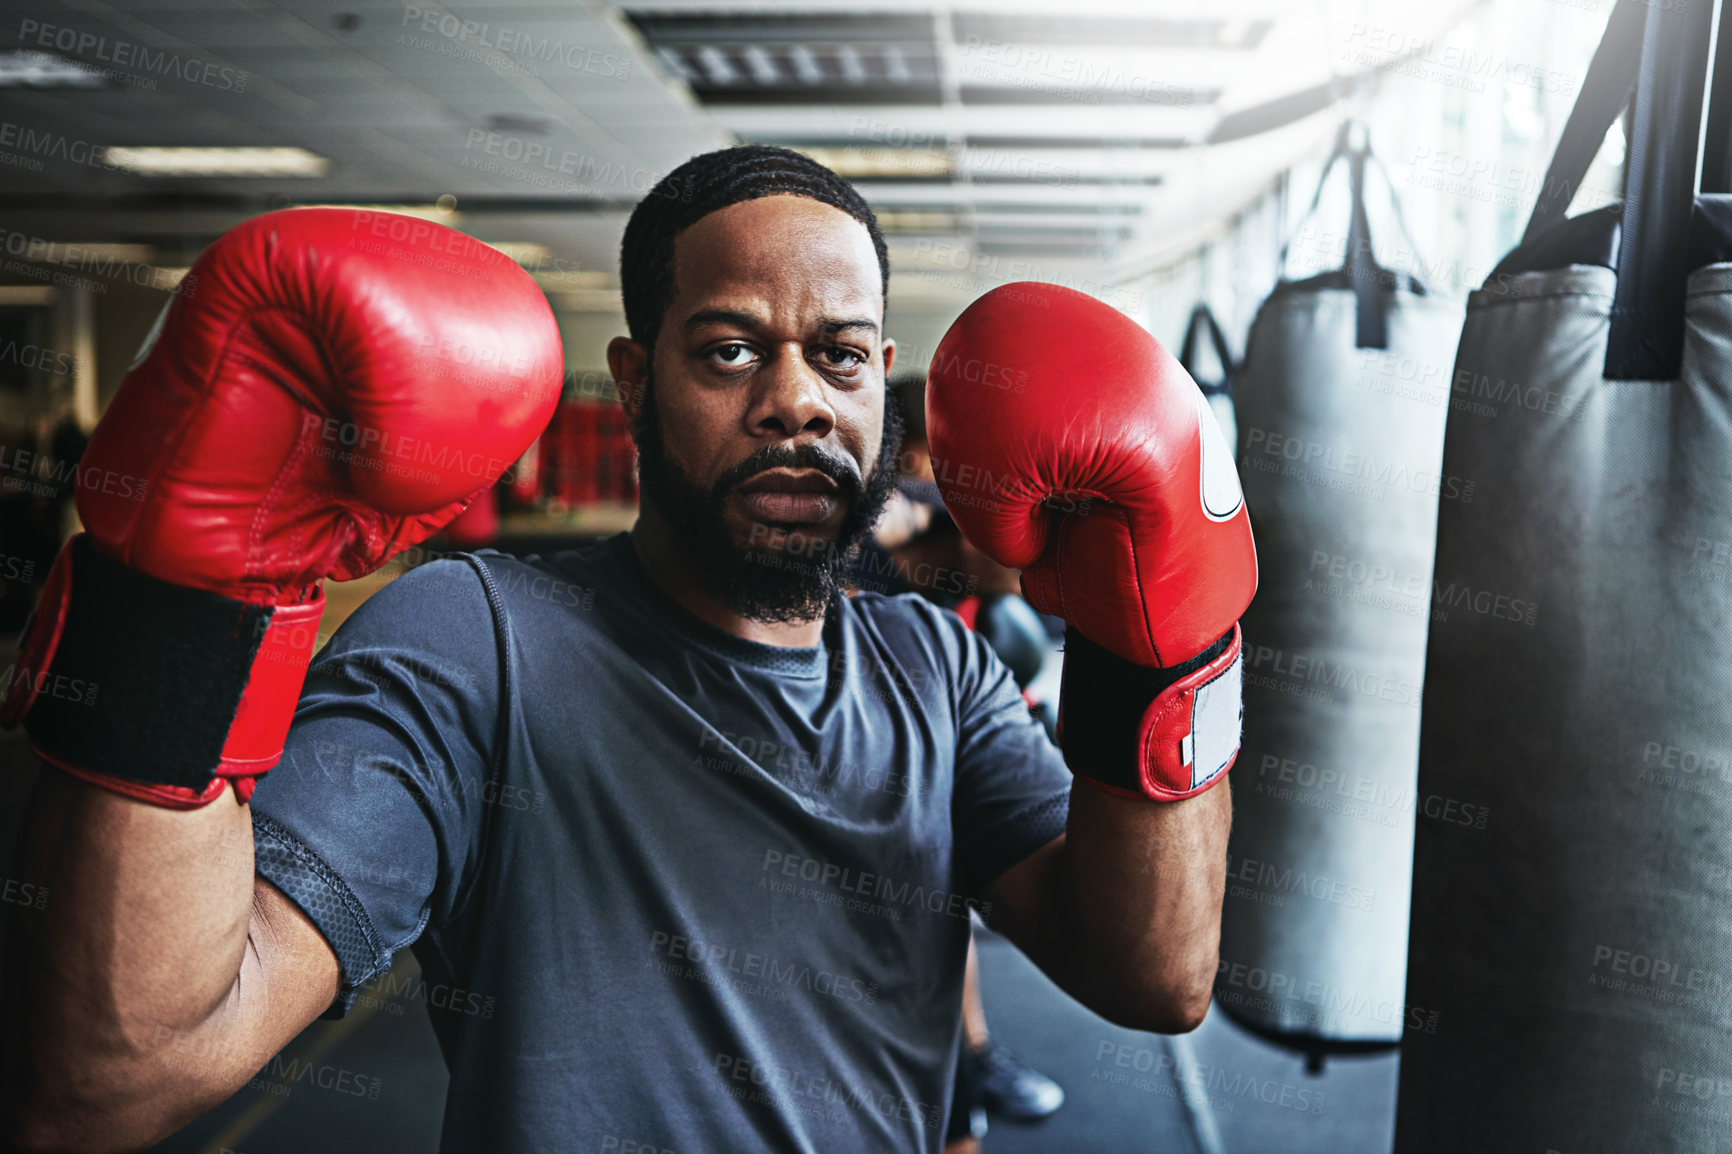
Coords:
pixel 666 886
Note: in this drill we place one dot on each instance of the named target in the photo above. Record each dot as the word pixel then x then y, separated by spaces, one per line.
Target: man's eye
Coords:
pixel 843 358
pixel 731 354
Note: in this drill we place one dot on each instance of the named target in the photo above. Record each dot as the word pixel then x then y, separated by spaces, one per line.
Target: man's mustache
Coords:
pixel 840 468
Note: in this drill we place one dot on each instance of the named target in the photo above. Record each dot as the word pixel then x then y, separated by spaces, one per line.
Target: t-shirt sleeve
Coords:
pixel 372 821
pixel 1012 787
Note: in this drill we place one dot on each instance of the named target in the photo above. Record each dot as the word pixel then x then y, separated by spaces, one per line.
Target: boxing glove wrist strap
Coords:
pixel 1163 734
pixel 155 690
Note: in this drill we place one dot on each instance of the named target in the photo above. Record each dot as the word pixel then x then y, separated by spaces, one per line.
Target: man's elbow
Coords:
pixel 87 1104
pixel 32 1131
pixel 37 1129
pixel 1175 1013
pixel 88 1129
pixel 1164 1000
pixel 1186 1011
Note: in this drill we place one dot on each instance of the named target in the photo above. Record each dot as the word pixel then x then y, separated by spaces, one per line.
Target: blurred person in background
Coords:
pixel 917 548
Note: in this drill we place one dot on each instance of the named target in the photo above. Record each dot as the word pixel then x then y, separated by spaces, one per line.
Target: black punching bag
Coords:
pixel 1218 389
pixel 1572 917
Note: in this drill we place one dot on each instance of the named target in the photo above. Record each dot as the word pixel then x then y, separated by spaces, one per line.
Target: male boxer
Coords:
pixel 683 839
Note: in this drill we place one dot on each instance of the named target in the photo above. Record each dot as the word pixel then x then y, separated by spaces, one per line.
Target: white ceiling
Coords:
pixel 1113 137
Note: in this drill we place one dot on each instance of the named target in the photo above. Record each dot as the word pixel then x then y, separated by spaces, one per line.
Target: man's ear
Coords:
pixel 628 361
pixel 889 356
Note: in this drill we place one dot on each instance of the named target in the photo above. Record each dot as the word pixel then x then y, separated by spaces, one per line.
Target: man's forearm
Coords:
pixel 1130 906
pixel 137 948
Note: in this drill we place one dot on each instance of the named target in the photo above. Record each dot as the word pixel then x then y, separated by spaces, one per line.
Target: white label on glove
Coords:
pixel 1221 493
pixel 1215 720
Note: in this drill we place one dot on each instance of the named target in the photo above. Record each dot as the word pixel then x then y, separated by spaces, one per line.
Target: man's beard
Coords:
pixel 798 581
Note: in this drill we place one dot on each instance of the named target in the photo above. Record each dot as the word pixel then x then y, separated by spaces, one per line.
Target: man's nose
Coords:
pixel 792 398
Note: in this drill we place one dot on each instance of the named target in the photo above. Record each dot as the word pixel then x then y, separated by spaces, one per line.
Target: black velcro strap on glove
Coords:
pixel 1105 698
pixel 147 676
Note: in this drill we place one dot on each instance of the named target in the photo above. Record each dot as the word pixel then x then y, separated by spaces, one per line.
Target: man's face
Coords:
pixel 763 436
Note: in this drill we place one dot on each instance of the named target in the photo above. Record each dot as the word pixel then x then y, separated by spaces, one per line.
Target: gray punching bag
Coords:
pixel 1576 948
pixel 1217 389
pixel 1341 403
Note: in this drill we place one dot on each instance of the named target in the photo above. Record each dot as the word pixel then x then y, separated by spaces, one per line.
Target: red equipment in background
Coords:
pixel 587 456
pixel 522 482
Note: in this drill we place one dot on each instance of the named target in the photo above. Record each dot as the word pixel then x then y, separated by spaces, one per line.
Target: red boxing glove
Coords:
pixel 1070 445
pixel 340 385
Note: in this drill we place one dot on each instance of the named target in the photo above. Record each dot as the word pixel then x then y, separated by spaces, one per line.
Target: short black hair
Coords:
pixel 705 184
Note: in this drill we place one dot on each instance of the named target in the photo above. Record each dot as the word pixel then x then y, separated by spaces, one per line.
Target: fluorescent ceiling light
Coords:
pixel 577 280
pixel 590 301
pixel 74 252
pixel 527 253
pixel 443 211
pixel 27 294
pixel 949 258
pixel 46 70
pixel 167 279
pixel 907 163
pixel 917 222
pixel 230 162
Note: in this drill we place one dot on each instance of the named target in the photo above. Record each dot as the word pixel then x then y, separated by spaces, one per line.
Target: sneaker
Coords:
pixel 968 1107
pixel 1013 1090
